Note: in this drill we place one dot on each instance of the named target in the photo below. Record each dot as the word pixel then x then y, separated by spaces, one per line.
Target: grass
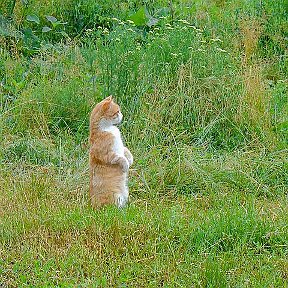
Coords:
pixel 204 98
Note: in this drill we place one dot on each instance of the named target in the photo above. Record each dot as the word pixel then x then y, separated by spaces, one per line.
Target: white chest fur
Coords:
pixel 118 146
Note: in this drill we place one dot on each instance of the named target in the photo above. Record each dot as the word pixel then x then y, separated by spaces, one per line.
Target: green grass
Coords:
pixel 204 98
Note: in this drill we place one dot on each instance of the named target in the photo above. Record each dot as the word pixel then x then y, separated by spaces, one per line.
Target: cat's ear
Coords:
pixel 107 103
pixel 109 98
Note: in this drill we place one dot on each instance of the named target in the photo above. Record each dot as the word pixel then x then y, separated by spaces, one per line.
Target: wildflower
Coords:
pixel 216 39
pixel 184 21
pixel 221 50
pixel 105 31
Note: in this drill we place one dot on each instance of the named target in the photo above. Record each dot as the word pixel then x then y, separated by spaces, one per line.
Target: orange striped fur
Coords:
pixel 109 159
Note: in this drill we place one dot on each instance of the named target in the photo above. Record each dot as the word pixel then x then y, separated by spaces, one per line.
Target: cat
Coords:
pixel 109 158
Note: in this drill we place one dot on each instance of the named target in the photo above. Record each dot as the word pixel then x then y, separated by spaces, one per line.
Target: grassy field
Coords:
pixel 203 89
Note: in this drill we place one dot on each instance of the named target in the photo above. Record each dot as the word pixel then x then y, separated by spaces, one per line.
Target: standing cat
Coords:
pixel 109 159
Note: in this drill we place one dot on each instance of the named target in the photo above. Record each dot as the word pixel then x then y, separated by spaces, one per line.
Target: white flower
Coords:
pixel 221 50
pixel 105 31
pixel 216 39
pixel 184 21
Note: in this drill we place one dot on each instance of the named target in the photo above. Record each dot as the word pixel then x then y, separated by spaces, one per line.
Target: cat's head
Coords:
pixel 107 112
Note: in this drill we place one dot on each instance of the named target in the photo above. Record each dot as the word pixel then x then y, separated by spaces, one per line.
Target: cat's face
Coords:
pixel 111 113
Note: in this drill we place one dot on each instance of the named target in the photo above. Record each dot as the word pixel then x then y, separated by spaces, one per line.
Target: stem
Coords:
pixel 12 7
pixel 172 11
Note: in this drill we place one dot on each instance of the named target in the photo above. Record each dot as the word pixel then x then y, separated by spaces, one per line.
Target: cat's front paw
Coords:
pixel 128 155
pixel 130 159
pixel 124 164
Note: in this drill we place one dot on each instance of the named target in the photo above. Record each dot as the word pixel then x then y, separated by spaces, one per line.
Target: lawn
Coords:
pixel 203 89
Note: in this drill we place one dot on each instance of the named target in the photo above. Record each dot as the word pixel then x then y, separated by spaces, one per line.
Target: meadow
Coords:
pixel 203 89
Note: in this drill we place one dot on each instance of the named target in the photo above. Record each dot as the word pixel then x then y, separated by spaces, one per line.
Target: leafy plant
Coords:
pixel 143 18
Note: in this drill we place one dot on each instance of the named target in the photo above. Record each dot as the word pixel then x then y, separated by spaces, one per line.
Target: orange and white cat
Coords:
pixel 109 159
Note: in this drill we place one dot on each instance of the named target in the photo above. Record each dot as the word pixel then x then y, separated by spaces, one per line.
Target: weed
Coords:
pixel 203 90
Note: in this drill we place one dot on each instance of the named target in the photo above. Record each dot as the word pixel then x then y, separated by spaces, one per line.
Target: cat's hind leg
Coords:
pixel 121 199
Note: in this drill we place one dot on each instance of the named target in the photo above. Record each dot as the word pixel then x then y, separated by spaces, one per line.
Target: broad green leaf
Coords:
pixel 152 21
pixel 52 19
pixel 46 29
pixel 33 18
pixel 139 18
pixel 162 12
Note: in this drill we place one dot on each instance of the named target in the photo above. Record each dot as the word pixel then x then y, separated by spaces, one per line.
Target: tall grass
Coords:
pixel 204 98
